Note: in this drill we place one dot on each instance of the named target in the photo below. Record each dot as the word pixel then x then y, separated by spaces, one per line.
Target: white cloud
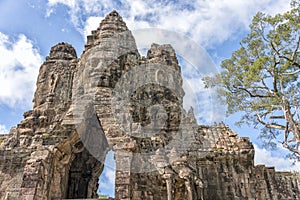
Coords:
pixel 107 178
pixel 19 65
pixel 110 177
pixel 207 107
pixel 79 9
pixel 3 129
pixel 262 156
pixel 207 22
pixel 91 24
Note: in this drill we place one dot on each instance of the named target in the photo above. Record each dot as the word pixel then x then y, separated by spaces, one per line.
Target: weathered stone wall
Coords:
pixel 109 99
pixel 229 171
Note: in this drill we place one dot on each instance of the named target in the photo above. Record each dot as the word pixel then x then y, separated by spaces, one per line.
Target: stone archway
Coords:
pixel 83 176
pixel 88 157
pixel 75 172
pixel 78 160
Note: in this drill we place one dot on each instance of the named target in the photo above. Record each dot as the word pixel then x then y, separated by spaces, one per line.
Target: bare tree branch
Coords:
pixel 285 145
pixel 291 73
pixel 272 125
pixel 254 95
pixel 296 49
pixel 294 127
pixel 292 61
pixel 277 117
pixel 286 132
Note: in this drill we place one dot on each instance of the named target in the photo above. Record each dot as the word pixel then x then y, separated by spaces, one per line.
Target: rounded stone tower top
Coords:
pixel 62 51
pixel 163 54
pixel 110 26
pixel 112 23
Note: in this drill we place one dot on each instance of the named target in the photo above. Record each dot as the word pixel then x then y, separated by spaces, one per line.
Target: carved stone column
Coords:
pixel 187 174
pixel 169 181
pixel 123 173
pixel 199 188
pixel 190 193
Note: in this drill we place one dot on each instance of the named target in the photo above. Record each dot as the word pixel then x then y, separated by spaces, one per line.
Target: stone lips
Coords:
pixel 105 70
pixel 111 69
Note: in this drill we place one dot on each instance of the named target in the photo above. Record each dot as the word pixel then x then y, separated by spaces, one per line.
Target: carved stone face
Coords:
pixel 156 108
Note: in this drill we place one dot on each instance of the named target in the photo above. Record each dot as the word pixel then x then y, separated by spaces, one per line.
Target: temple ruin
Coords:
pixel 112 98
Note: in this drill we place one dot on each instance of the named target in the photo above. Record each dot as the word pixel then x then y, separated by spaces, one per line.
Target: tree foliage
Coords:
pixel 262 78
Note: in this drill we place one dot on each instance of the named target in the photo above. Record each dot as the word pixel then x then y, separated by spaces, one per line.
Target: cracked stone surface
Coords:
pixel 112 98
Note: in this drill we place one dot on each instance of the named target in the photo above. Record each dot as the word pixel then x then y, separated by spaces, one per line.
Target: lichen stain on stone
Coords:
pixel 46 156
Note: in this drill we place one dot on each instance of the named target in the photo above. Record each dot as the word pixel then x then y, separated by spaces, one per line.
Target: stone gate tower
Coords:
pixel 112 98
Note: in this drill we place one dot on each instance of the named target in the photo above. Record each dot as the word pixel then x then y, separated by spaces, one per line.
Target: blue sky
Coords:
pixel 28 29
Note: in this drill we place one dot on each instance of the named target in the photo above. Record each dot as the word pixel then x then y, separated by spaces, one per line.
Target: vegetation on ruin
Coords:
pixel 261 78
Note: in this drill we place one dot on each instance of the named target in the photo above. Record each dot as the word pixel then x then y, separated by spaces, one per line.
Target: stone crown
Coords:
pixel 62 51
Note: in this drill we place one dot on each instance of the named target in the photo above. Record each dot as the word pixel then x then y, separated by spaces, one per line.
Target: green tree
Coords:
pixel 262 78
pixel 103 196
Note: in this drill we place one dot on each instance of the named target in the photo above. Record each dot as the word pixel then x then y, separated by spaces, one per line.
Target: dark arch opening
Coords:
pixel 87 165
pixel 83 176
